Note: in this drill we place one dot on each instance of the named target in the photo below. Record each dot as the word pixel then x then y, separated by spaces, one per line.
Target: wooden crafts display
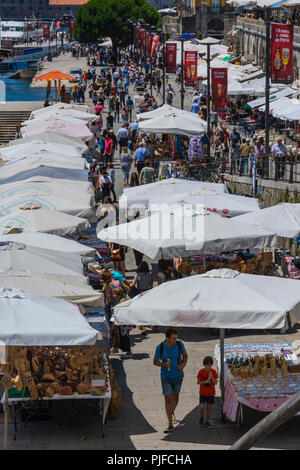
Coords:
pixel 45 371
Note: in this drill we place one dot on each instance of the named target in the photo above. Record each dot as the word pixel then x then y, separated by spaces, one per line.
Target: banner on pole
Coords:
pixel 282 53
pixel 155 42
pixel 143 32
pixel 71 24
pixel 219 79
pixel 148 42
pixel 171 50
pixel 46 30
pixel 190 67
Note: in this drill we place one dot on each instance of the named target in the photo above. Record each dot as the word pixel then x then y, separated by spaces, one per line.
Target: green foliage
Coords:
pixel 99 19
pixel 199 35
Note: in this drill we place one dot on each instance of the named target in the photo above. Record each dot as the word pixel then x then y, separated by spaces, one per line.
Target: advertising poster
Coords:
pixel 46 31
pixel 171 50
pixel 155 42
pixel 281 53
pixel 219 89
pixel 190 67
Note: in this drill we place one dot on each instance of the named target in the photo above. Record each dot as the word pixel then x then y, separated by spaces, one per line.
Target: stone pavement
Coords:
pixel 139 423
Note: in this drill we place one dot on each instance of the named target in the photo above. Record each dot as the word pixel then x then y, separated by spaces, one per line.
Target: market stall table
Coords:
pixel 265 392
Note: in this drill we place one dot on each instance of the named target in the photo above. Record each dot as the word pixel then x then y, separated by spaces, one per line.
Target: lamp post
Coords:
pixel 267 105
pixel 208 42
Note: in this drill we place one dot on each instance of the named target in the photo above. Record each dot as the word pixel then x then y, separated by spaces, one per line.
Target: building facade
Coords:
pixel 20 9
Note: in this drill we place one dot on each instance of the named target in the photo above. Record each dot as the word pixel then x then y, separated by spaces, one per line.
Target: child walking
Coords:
pixel 207 378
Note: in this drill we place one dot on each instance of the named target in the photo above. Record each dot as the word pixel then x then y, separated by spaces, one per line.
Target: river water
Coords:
pixel 19 90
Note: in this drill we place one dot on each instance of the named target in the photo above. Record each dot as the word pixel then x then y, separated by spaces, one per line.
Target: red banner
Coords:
pixel 282 53
pixel 190 67
pixel 46 30
pixel 219 79
pixel 58 23
pixel 155 41
pixel 143 38
pixel 71 24
pixel 148 42
pixel 171 50
pixel 138 33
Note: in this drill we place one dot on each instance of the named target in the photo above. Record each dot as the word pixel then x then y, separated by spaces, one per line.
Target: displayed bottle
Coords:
pixel 169 364
pixel 277 59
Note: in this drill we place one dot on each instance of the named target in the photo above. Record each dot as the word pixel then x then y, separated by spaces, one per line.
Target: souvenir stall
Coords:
pixel 50 354
pixel 261 376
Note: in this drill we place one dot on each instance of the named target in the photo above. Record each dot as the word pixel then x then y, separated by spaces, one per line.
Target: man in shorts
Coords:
pixel 171 357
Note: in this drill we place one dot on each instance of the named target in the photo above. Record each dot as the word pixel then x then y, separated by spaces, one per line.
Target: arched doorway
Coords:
pixel 215 27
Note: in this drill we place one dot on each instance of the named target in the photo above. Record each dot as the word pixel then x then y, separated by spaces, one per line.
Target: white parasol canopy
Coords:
pixel 58 107
pixel 223 204
pixel 32 320
pixel 52 242
pixel 48 136
pixel 285 108
pixel 282 219
pixel 52 286
pixel 177 234
pixel 221 298
pixel 37 260
pixel 62 114
pixel 70 126
pixel 39 219
pixel 167 109
pixel 56 194
pixel 32 149
pixel 142 195
pixel 175 123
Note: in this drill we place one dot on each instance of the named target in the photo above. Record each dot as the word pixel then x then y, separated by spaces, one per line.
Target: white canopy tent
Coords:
pixel 50 137
pixel 282 219
pixel 69 126
pixel 176 234
pixel 175 123
pixel 32 149
pixel 140 196
pixel 285 108
pixel 39 219
pixel 51 286
pixel 52 242
pixel 220 298
pixel 223 204
pixel 57 194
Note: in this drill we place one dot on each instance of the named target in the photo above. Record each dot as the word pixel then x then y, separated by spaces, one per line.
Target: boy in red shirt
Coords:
pixel 207 379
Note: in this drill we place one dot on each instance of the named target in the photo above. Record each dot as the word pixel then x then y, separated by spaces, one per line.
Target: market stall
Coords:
pixel 261 376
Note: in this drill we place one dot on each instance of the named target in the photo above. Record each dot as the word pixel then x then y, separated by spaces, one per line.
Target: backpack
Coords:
pixel 161 347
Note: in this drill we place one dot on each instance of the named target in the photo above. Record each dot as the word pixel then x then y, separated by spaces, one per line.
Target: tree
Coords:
pixel 99 19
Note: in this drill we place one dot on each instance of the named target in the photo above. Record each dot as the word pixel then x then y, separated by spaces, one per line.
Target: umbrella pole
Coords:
pixel 222 385
pixel 6 413
pixel 283 258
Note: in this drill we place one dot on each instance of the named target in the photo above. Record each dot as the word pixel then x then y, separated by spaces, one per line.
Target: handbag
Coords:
pixel 116 255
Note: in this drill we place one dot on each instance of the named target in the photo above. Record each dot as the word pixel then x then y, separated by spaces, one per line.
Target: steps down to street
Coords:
pixel 8 123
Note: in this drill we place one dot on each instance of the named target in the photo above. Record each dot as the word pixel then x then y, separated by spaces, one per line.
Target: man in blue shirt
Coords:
pixel 172 357
pixel 139 157
pixel 195 108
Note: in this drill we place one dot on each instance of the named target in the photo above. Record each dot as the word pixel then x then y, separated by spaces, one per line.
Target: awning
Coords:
pixel 275 96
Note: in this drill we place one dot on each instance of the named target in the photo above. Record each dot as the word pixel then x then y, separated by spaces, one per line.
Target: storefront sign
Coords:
pixel 219 89
pixel 282 53
pixel 171 51
pixel 155 42
pixel 190 67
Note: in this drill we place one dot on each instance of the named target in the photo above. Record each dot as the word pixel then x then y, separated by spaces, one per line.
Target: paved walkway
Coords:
pixel 139 423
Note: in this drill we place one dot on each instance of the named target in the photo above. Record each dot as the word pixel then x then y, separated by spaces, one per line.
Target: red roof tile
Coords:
pixel 67 2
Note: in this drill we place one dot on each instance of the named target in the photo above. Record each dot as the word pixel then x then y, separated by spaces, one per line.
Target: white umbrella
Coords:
pixel 58 107
pixel 140 196
pixel 175 123
pixel 51 286
pixel 162 111
pixel 62 114
pixel 32 149
pixel 26 168
pixel 224 204
pixel 178 234
pixel 285 108
pixel 56 194
pixel 69 126
pixel 282 219
pixel 220 298
pixel 38 219
pixel 48 136
pixel 52 242
pixel 41 261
